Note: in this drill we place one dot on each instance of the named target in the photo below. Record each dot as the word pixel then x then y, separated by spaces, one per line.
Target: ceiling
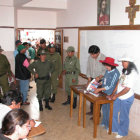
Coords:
pixel 53 5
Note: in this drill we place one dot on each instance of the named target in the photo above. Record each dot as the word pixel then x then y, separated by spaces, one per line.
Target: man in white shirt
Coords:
pixel 11 100
pixel 94 68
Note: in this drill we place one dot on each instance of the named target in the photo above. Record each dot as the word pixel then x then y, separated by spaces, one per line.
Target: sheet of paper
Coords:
pixel 37 123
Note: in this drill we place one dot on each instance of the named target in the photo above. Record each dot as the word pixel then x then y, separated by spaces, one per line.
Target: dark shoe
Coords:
pixel 26 103
pixel 67 102
pixel 75 103
pixel 40 105
pixel 30 87
pixel 89 113
pixel 91 118
pixel 53 98
pixel 47 105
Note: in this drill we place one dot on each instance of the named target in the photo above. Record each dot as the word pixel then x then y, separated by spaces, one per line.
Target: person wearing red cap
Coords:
pixel 109 82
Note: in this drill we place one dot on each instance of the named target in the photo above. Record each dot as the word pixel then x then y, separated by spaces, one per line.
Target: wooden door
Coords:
pixel 59 48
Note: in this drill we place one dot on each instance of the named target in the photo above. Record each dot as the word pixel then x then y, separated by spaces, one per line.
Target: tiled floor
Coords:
pixel 58 124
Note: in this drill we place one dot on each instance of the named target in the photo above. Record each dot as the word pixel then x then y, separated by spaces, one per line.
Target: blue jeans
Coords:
pixel 24 86
pixel 106 110
pixel 121 124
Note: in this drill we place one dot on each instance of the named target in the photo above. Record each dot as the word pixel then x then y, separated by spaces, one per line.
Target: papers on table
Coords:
pixel 37 123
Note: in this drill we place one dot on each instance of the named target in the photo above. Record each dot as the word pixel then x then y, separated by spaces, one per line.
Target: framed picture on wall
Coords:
pixel 59 41
pixel 103 11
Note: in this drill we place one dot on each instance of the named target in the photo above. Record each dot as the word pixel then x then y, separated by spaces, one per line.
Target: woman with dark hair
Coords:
pixel 15 125
pixel 123 96
pixel 109 82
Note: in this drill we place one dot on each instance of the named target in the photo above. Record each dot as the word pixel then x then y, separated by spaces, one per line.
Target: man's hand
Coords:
pixel 109 97
pixel 32 123
pixel 97 79
pixel 97 90
pixel 114 97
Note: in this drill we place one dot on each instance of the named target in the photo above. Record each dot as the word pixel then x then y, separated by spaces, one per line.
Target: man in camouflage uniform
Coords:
pixel 71 71
pixel 42 47
pixel 5 72
pixel 55 59
pixel 41 70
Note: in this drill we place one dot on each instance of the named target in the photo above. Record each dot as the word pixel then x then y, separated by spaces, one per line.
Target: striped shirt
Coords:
pixel 110 80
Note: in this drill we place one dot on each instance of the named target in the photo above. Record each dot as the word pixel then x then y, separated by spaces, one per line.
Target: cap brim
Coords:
pixel 101 61
pixel 108 63
pixel 125 59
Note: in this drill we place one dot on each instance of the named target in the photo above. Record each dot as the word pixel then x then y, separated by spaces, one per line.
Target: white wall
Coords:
pixel 57 4
pixel 79 13
pixel 6 2
pixel 7 39
pixel 6 16
pixel 72 35
pixel 118 16
pixel 36 19
pixel 84 13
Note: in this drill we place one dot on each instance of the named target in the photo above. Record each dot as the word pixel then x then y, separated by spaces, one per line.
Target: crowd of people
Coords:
pixel 45 67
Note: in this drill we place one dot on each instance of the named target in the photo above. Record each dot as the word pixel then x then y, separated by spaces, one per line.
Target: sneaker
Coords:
pixel 107 130
pixel 119 136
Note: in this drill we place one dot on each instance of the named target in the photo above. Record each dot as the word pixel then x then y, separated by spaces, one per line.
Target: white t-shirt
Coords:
pixel 127 81
pixel 4 109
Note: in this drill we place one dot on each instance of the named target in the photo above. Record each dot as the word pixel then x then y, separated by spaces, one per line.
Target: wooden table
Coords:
pixel 36 131
pixel 97 101
pixel 77 89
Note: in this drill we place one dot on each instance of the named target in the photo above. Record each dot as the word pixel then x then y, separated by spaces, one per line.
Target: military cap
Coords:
pixel 70 49
pixel 42 52
pixel 21 47
pixel 18 41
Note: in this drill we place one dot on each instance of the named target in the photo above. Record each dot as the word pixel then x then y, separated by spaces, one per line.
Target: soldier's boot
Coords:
pixel 67 102
pixel 53 98
pixel 47 104
pixel 40 105
pixel 75 102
